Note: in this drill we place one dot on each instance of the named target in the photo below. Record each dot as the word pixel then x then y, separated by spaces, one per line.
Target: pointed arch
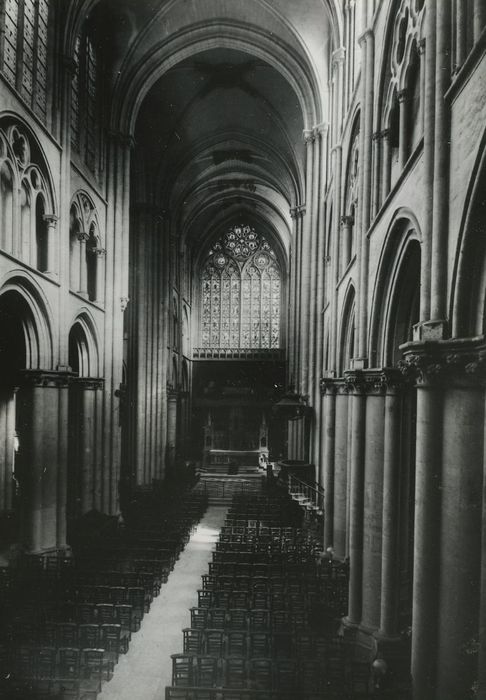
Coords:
pixel 396 297
pixel 347 330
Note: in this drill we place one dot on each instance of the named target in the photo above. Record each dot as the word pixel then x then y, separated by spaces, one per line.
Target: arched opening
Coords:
pixel 405 304
pixel 402 299
pixel 6 206
pixel 15 423
pixel 469 314
pixel 75 229
pixel 40 235
pixel 414 108
pixel 92 264
pixel 25 223
pixel 347 332
pixel 83 470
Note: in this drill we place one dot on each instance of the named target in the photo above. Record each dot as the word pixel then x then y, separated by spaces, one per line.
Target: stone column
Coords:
pixel 100 274
pixel 403 100
pixel 440 217
pixel 117 237
pixel 429 140
pixel 172 399
pixel 347 236
pixel 479 18
pixel 291 332
pixel 460 544
pixel 87 388
pixel 386 165
pixel 341 485
pixel 305 264
pixel 377 172
pixel 328 391
pixel 298 296
pixel 52 243
pixel 390 560
pixel 43 436
pixel 355 383
pixel 83 270
pixel 427 535
pixel 368 45
pixel 7 446
pixel 373 501
pixel 461 33
pixel 481 664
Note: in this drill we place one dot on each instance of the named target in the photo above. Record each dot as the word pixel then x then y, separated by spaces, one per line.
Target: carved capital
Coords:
pixel 50 219
pixel 421 47
pixel 322 128
pixel 300 209
pixel 367 34
pixel 329 386
pixel 124 303
pixel 403 95
pixel 45 378
pixel 393 380
pixel 88 383
pixel 338 55
pixel 293 212
pixel 308 136
pixel 347 220
pixel 83 237
pixel 100 252
pixel 354 382
pixel 445 366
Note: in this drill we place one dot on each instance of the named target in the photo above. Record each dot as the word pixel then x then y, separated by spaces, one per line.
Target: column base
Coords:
pixel 62 551
pixel 350 625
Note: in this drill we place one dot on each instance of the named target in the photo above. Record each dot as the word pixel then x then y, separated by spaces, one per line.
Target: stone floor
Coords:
pixel 143 673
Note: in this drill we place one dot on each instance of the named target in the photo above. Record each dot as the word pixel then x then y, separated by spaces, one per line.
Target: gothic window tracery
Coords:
pixel 26 201
pixel 24 58
pixel 240 292
pixel 84 99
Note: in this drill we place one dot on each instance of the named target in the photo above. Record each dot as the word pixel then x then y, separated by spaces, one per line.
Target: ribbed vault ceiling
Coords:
pixel 218 130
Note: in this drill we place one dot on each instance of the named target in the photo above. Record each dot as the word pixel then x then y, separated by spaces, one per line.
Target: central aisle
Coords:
pixel 144 672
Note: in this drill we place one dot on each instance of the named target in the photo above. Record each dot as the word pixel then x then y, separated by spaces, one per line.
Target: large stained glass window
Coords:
pixel 240 292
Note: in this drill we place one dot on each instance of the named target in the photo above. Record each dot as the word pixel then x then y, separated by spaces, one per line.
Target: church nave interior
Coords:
pixel 243 267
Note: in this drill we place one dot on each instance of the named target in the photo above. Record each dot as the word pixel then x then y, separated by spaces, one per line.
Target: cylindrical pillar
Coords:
pixel 171 429
pixel 340 485
pixel 427 534
pixel 83 268
pixel 306 263
pixel 438 286
pixel 52 243
pixel 479 18
pixel 358 424
pixel 100 274
pixel 403 99
pixel 377 173
pixel 386 165
pixel 429 131
pixel 329 425
pixel 460 544
pixel 373 505
pixel 390 521
pixel 346 237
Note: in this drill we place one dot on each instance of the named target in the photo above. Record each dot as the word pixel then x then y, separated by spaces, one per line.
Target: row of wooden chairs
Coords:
pixel 264 673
